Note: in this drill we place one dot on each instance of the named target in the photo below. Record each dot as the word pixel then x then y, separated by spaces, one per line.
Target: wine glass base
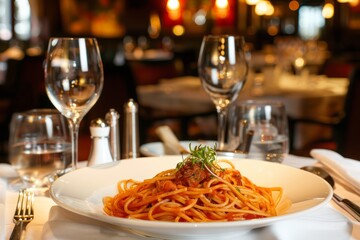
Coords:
pixel 56 174
pixel 17 184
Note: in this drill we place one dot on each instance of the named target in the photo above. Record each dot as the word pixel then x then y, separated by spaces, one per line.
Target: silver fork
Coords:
pixel 24 213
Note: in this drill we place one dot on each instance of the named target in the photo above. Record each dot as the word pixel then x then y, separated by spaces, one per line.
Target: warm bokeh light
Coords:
pixel 222 8
pixel 173 9
pixel 173 4
pixel 328 11
pixel 299 62
pixel 264 8
pixel 354 3
pixel 273 30
pixel 294 5
pixel 178 30
pixel 222 3
pixel 154 25
pixel 252 2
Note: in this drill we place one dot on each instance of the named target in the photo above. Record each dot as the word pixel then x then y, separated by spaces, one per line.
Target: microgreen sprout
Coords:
pixel 205 155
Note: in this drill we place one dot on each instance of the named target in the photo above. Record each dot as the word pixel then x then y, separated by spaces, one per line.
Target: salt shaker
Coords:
pixel 131 130
pixel 100 150
pixel 112 119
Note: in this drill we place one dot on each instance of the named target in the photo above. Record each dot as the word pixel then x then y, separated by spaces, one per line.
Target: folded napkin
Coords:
pixel 7 171
pixel 346 170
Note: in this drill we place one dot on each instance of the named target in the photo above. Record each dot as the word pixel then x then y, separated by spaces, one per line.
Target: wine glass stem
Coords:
pixel 74 130
pixel 222 119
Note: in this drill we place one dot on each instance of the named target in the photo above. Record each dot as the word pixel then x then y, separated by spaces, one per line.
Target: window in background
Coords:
pixel 22 18
pixel 311 22
pixel 5 20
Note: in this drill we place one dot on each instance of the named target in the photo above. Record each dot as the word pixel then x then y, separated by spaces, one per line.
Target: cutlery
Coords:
pixel 346 204
pixel 24 213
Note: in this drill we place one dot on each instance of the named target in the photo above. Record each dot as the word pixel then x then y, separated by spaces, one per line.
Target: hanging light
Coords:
pixel 173 9
pixel 222 3
pixel 173 4
pixel 264 8
pixel 328 10
pixel 252 2
pixel 351 2
pixel 222 8
pixel 354 3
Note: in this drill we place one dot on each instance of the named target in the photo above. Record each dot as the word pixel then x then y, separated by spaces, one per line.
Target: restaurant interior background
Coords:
pixel 127 29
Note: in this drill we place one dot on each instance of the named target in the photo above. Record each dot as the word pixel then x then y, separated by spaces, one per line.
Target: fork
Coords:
pixel 24 213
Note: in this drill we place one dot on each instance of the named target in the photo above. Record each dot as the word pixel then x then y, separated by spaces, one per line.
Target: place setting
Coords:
pixel 243 184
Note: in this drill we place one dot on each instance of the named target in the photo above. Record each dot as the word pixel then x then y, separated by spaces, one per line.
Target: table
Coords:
pixel 53 222
pixel 312 97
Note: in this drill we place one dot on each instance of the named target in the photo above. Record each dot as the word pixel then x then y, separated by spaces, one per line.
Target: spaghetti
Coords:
pixel 197 190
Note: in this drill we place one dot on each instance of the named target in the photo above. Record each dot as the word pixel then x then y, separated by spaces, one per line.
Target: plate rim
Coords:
pixel 244 224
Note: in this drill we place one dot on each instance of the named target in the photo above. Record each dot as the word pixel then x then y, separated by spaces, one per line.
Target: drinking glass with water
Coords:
pixel 39 146
pixel 267 120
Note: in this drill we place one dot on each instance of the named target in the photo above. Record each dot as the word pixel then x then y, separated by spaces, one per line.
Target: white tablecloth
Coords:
pixel 53 222
pixel 303 97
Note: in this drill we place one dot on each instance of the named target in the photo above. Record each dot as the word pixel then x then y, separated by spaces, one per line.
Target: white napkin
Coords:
pixel 171 143
pixel 7 171
pixel 2 207
pixel 345 169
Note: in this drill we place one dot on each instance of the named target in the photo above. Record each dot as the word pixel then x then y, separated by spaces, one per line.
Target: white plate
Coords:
pixel 82 191
pixel 156 149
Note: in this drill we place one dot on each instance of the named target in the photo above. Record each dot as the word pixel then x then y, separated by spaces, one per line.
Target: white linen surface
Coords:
pixel 54 222
pixel 326 222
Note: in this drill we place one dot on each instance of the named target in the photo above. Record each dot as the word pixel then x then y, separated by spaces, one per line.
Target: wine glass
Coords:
pixel 223 67
pixel 74 79
pixel 39 147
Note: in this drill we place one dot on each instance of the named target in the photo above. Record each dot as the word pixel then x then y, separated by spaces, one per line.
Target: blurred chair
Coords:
pixel 335 68
pixel 347 132
pixel 346 127
pixel 22 90
pixel 7 92
pixel 150 72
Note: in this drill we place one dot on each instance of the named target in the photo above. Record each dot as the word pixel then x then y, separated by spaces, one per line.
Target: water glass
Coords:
pixel 39 146
pixel 266 123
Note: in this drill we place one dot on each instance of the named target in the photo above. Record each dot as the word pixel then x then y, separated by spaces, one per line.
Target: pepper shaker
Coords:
pixel 131 130
pixel 112 119
pixel 100 150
